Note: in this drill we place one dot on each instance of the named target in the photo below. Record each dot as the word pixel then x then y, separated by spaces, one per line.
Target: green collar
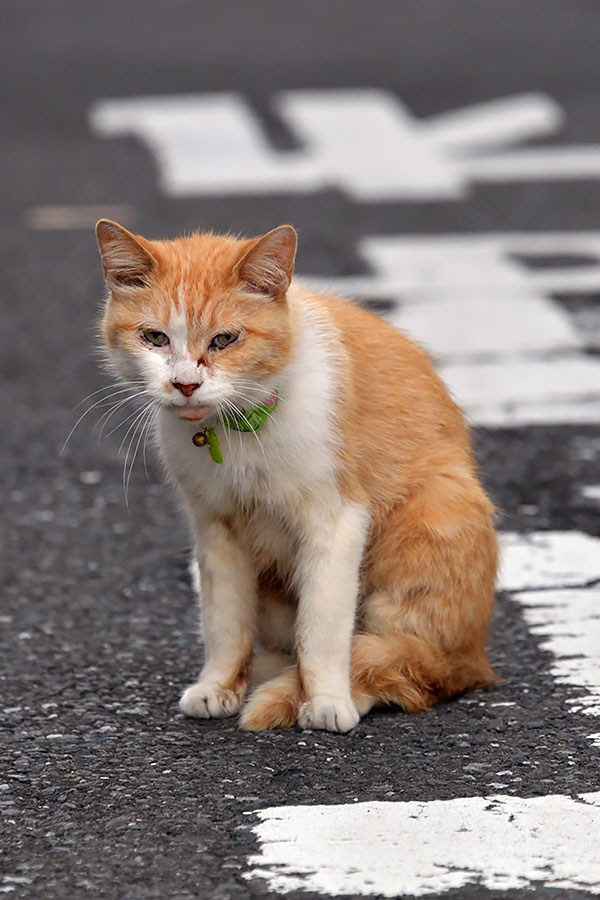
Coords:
pixel 251 419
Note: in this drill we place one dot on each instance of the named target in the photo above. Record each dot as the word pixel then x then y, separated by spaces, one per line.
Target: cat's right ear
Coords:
pixel 126 262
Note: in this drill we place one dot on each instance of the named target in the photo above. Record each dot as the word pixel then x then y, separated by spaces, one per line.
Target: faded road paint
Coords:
pixel 415 848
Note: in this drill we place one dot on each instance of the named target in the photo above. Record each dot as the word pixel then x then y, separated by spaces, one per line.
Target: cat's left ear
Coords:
pixel 268 265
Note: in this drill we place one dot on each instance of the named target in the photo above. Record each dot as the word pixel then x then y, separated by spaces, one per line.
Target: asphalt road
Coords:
pixel 105 789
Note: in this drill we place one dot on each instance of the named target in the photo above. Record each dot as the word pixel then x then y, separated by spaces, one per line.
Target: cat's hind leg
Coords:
pixel 431 568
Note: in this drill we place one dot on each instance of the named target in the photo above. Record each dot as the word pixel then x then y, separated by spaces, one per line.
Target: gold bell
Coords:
pixel 199 439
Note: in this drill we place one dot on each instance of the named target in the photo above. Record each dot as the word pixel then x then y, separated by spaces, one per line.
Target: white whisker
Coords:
pixel 137 413
pixel 141 427
pixel 240 413
pixel 149 425
pixel 249 400
pixel 231 408
pixel 125 385
pixel 107 416
pixel 97 403
pixel 223 424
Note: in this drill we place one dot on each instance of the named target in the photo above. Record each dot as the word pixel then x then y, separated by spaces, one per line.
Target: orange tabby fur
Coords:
pixel 402 452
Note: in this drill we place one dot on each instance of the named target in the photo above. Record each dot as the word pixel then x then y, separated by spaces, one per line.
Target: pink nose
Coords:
pixel 186 389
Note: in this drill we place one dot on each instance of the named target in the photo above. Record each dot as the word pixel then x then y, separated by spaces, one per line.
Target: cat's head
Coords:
pixel 200 322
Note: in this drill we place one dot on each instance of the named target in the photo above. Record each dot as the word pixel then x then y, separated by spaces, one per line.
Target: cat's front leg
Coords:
pixel 328 577
pixel 228 614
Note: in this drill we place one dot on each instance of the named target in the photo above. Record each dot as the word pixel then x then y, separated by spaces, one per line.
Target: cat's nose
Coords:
pixel 186 389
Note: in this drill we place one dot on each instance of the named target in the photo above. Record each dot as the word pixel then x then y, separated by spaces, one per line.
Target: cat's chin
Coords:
pixel 191 413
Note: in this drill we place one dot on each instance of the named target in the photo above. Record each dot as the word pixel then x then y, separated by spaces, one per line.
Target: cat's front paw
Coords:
pixel 207 700
pixel 328 713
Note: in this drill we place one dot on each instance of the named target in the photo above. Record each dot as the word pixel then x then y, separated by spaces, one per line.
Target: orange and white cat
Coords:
pixel 346 550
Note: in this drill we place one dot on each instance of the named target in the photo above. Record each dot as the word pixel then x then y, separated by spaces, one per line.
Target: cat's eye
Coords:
pixel 156 338
pixel 222 340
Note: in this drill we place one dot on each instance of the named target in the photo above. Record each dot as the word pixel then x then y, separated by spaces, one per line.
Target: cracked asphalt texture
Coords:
pixel 105 789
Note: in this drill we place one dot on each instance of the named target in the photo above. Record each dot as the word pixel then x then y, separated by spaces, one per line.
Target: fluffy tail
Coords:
pixel 412 673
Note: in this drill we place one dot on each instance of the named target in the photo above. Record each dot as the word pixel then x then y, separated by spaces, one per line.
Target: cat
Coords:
pixel 346 548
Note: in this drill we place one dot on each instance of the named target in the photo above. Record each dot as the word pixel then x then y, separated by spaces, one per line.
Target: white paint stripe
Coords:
pixel 591 492
pixel 417 268
pixel 566 613
pixel 495 123
pixel 548 559
pixel 508 394
pixel 55 218
pixel 500 323
pixel 569 622
pixel 415 848
pixel 551 163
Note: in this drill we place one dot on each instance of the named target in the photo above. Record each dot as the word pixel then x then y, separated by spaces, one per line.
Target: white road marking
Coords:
pixel 416 848
pixel 591 492
pixel 508 352
pixel 548 559
pixel 569 623
pixel 554 576
pixel 364 141
pixel 58 218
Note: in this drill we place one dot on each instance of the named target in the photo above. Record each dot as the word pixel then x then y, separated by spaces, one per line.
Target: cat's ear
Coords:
pixel 126 261
pixel 267 267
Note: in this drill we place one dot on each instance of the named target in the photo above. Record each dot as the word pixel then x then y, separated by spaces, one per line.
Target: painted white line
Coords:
pixel 591 492
pixel 500 323
pixel 566 612
pixel 569 623
pixel 514 393
pixel 415 849
pixel 495 123
pixel 548 559
pixel 363 141
pixel 57 218
pixel 417 268
pixel 551 163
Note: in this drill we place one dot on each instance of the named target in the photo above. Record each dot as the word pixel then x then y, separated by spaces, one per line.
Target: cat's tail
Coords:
pixel 399 669
pixel 406 671
pixel 274 704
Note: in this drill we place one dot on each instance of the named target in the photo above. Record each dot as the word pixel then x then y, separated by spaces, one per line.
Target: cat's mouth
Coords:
pixel 192 413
